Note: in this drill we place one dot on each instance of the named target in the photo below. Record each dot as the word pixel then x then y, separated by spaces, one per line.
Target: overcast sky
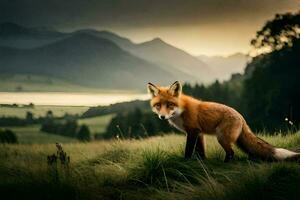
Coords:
pixel 212 27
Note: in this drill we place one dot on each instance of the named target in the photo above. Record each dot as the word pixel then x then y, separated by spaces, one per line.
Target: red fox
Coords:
pixel 196 118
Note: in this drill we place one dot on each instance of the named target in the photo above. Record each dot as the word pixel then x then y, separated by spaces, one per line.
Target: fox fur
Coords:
pixel 196 118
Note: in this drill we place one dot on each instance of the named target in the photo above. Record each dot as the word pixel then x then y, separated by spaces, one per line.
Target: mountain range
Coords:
pixel 225 66
pixel 103 59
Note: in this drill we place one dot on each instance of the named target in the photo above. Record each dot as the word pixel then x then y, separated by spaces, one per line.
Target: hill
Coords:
pixel 84 59
pixel 27 44
pixel 172 58
pixel 153 168
pixel 223 66
pixel 16 36
pixel 38 83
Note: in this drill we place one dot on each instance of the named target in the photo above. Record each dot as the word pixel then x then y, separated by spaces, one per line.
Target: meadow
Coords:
pixel 40 110
pixel 152 168
pixel 31 134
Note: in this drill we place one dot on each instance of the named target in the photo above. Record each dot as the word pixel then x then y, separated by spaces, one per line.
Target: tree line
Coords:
pixel 68 128
pixel 136 124
pixel 267 94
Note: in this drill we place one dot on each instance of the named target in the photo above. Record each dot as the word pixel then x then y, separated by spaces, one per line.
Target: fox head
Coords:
pixel 165 100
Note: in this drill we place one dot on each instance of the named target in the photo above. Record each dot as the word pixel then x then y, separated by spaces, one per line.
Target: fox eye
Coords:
pixel 170 105
pixel 157 106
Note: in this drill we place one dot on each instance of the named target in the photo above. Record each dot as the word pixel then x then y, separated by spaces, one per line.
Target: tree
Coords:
pixel 271 90
pixel 49 114
pixel 84 133
pixel 29 117
pixel 280 32
pixel 69 128
pixel 136 124
pixel 8 136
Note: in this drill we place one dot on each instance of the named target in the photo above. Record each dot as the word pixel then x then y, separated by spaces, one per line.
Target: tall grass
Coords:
pixel 152 168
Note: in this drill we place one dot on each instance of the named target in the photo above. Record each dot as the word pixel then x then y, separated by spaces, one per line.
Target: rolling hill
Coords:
pixel 84 59
pixel 16 36
pixel 104 59
pixel 174 60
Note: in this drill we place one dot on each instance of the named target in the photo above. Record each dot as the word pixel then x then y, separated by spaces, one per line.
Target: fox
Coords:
pixel 197 118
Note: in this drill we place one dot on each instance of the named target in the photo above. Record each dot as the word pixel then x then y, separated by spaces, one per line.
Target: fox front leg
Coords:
pixel 191 139
pixel 200 147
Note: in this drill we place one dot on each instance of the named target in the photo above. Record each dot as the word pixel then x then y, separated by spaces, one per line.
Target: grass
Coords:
pixel 96 124
pixel 41 110
pixel 33 135
pixel 152 168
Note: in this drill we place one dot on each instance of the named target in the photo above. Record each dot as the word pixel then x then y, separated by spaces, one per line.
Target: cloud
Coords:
pixel 137 13
pixel 143 19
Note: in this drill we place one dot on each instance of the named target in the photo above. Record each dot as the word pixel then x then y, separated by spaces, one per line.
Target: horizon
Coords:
pixel 118 34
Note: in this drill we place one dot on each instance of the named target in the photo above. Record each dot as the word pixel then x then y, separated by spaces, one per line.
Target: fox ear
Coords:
pixel 153 89
pixel 175 89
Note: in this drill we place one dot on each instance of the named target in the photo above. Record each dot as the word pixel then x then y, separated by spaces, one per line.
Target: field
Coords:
pixel 32 134
pixel 38 110
pixel 96 124
pixel 152 168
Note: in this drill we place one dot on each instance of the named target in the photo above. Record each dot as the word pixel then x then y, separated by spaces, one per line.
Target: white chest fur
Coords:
pixel 177 122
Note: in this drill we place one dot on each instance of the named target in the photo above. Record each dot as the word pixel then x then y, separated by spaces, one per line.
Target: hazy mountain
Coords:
pixel 14 35
pixel 85 59
pixel 170 58
pixel 223 67
pixel 81 55
pixel 122 42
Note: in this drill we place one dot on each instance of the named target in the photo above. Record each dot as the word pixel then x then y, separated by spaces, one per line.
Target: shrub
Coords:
pixel 136 124
pixel 84 133
pixel 8 136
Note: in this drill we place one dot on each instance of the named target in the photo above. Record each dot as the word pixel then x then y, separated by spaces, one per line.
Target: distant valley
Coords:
pixel 101 59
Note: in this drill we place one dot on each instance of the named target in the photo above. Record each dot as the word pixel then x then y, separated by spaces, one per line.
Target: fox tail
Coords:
pixel 258 148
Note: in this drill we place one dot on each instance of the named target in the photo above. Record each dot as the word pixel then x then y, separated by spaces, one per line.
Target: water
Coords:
pixel 68 99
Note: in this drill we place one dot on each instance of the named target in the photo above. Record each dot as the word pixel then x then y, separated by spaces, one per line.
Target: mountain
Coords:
pixel 171 58
pixel 84 59
pixel 223 67
pixel 122 42
pixel 174 60
pixel 46 51
pixel 14 35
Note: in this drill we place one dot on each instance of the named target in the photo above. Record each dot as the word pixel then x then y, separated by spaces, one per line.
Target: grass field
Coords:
pixel 32 134
pixel 152 168
pixel 42 110
pixel 96 124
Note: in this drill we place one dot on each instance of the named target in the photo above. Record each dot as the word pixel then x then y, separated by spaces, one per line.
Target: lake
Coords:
pixel 68 99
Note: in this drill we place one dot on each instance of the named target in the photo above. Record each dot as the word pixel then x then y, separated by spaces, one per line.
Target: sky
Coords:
pixel 209 27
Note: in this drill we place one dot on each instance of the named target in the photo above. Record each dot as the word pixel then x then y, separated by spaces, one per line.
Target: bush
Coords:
pixel 68 128
pixel 84 133
pixel 8 136
pixel 136 124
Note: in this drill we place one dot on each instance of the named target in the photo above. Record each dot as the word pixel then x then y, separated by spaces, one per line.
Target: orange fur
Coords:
pixel 196 118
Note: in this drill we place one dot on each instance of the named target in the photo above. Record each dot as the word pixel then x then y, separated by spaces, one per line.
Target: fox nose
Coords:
pixel 162 117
